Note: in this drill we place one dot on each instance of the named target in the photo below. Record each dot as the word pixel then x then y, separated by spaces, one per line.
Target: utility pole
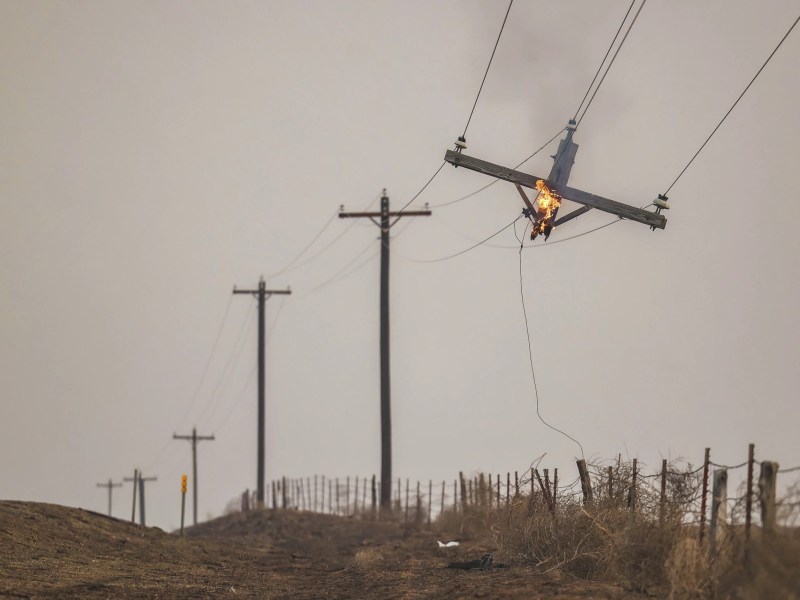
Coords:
pixel 262 293
pixel 135 480
pixel 194 438
pixel 110 485
pixel 387 220
pixel 142 481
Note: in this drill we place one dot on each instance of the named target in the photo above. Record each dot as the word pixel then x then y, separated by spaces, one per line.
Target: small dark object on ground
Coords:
pixel 485 562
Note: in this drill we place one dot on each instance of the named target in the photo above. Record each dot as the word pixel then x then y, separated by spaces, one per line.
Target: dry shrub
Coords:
pixel 367 559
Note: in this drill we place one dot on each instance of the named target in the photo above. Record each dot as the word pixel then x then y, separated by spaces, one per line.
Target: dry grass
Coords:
pixel 653 549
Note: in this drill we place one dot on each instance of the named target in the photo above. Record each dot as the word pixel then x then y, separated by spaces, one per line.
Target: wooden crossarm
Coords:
pixel 613 207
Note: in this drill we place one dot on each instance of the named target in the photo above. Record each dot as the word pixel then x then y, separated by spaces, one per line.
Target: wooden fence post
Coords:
pixel 418 511
pixel 284 492
pixel 719 505
pixel 482 491
pixel 469 491
pixel 508 487
pixel 491 491
pixel 455 495
pixel 374 497
pixel 463 490
pixel 498 490
pixel 516 485
pixel 703 501
pixel 441 511
pixel 767 483
pixel 555 489
pixel 338 510
pixel 586 484
pixel 406 513
pixel 748 502
pixel 662 511
pixel 632 491
pixel 610 483
pixel 274 496
pixel 430 501
pixel 355 498
pixel 347 498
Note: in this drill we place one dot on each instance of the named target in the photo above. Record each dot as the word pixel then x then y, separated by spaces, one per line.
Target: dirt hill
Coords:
pixel 49 551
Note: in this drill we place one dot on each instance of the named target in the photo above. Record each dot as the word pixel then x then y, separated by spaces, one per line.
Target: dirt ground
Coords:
pixel 49 551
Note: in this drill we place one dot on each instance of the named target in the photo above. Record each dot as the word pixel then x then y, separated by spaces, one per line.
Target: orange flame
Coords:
pixel 548 202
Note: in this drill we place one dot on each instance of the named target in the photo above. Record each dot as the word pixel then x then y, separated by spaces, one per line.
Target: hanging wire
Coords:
pixel 530 356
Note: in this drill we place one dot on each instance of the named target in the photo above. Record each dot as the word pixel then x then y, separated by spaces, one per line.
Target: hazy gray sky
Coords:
pixel 153 155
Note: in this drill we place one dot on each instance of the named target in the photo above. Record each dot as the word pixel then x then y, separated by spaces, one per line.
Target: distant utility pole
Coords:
pixel 142 481
pixel 262 293
pixel 110 485
pixel 194 438
pixel 135 480
pixel 387 220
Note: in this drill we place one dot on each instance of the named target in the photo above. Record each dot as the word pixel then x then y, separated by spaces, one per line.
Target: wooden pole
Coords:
pixel 322 495
pixel 347 498
pixel 586 484
pixel 441 510
pixel 719 505
pixel 498 490
pixel 555 489
pixel 703 501
pixel 663 503
pixel 284 493
pixel 374 497
pixel 547 485
pixel 491 491
pixel 455 495
pixel 516 485
pixel 471 502
pixel 406 512
pixel 364 497
pixel 632 495
pixel 338 510
pixel 748 503
pixel 463 490
pixel 610 483
pixel 430 501
pixel 767 484
pixel 418 512
pixel 508 487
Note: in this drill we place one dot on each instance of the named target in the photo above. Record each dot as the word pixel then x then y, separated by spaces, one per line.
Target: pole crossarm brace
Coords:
pixel 613 207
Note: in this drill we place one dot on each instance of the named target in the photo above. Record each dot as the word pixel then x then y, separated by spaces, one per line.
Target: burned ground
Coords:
pixel 55 551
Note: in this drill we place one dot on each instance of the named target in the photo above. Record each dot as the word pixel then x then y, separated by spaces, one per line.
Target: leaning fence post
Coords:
pixel 719 505
pixel 767 482
pixel 516 485
pixel 463 490
pixel 586 484
pixel 555 489
pixel 703 504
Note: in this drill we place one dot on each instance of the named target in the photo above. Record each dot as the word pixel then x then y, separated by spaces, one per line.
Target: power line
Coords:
pixel 613 58
pixel 530 357
pixel 307 247
pixel 733 106
pixel 325 248
pixel 480 89
pixel 422 189
pixel 208 362
pixel 602 62
pixel 433 260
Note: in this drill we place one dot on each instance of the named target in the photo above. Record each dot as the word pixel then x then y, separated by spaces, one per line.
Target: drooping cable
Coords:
pixel 530 356
pixel 730 110
pixel 443 258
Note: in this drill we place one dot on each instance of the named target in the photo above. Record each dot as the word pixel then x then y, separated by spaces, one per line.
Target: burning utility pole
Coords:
pixel 544 209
